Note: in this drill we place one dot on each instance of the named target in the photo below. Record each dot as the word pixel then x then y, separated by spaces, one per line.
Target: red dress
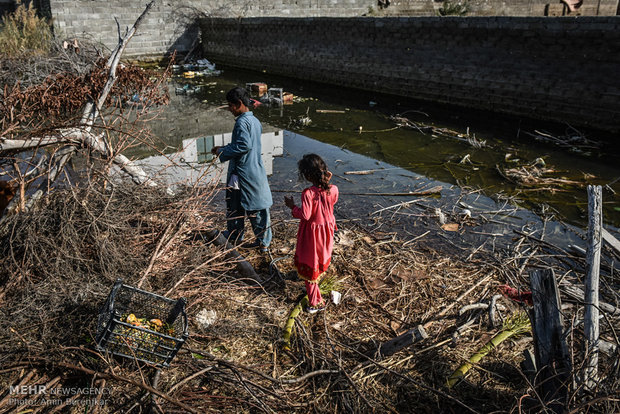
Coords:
pixel 315 237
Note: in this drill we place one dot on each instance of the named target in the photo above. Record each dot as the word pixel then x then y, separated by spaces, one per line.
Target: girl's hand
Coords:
pixel 328 175
pixel 289 202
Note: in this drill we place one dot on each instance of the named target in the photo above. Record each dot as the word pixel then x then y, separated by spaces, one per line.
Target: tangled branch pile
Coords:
pixel 63 259
pixel 64 256
pixel 58 99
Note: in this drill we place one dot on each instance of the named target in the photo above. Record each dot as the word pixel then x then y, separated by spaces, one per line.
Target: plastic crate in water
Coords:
pixel 135 342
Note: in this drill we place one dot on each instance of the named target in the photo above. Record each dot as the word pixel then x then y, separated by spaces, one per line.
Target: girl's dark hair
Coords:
pixel 239 94
pixel 313 168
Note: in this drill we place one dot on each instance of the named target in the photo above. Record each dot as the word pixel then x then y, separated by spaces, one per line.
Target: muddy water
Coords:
pixel 359 123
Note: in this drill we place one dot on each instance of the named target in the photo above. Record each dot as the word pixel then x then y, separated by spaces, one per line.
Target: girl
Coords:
pixel 315 237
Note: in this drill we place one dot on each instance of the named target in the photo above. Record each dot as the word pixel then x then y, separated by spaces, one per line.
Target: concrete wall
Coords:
pixel 563 69
pixel 522 8
pixel 171 24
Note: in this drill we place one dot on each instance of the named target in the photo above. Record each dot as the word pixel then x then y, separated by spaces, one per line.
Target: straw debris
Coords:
pixel 58 263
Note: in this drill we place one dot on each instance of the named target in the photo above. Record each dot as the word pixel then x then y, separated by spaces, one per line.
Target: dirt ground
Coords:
pixel 58 264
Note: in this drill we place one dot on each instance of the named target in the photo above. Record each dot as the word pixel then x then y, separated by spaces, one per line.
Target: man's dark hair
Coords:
pixel 239 95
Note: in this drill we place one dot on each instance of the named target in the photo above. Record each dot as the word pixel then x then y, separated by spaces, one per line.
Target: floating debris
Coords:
pixel 187 89
pixel 573 139
pixel 202 67
pixel 536 174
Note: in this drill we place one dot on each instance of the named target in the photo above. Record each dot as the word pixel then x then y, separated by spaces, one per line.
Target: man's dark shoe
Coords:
pixel 255 244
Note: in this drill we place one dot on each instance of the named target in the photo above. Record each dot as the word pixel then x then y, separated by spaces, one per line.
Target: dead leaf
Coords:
pixel 376 283
pixel 395 326
pixel 402 273
pixel 406 275
pixel 344 239
pixel 450 227
pixel 419 275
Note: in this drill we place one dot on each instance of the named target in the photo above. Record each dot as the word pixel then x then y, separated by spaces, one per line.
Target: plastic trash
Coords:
pixel 206 318
pixel 204 63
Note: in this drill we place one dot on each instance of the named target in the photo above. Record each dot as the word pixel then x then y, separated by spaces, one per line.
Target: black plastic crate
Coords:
pixel 136 342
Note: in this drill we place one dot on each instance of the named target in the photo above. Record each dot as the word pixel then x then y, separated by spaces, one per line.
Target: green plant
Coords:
pixel 326 285
pixel 23 32
pixel 518 324
pixel 449 8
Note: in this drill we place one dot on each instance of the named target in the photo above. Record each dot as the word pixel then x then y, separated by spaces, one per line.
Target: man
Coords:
pixel 247 190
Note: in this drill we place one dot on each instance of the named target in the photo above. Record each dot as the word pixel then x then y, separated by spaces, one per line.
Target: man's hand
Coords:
pixel 289 202
pixel 215 149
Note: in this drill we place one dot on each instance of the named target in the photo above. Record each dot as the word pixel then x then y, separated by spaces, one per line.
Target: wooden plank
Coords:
pixel 610 239
pixel 578 294
pixel 402 341
pixel 593 266
pixel 552 358
pixel 330 111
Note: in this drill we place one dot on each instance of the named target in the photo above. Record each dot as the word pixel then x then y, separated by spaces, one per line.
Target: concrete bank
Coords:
pixel 561 69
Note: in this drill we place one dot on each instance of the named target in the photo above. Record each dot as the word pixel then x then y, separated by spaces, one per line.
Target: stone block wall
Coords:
pixel 521 8
pixel 563 69
pixel 172 25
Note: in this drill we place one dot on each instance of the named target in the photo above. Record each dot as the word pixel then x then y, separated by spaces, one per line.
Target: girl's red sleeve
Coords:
pixel 305 211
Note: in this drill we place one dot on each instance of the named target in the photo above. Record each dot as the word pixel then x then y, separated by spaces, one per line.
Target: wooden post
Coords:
pixel 552 359
pixel 593 265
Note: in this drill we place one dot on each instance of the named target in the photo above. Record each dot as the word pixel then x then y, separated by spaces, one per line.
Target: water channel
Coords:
pixel 353 131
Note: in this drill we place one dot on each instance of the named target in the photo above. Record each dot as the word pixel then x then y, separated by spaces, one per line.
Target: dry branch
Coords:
pixel 142 385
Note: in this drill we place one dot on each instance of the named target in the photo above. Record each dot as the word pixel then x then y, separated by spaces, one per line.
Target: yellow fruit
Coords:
pixel 158 323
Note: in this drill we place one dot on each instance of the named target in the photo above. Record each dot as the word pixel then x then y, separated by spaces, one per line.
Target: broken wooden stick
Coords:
pixel 330 111
pixel 611 240
pixel 401 341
